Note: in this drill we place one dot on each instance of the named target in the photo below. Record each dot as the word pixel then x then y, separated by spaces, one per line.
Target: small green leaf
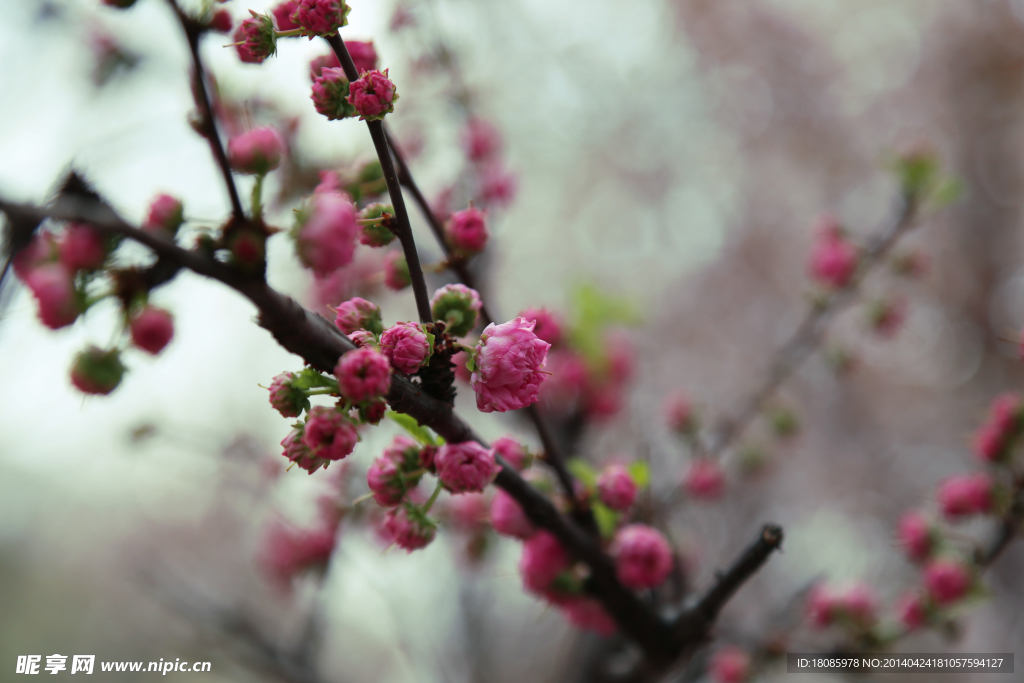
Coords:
pixel 948 191
pixel 641 473
pixel 409 424
pixel 583 472
pixel 607 519
pixel 310 379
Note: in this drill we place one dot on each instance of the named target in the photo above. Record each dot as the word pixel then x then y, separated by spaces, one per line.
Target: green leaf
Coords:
pixel 583 472
pixel 409 424
pixel 947 192
pixel 311 379
pixel 606 518
pixel 641 473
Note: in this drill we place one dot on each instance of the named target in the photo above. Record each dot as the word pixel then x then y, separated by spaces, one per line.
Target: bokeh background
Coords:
pixel 672 154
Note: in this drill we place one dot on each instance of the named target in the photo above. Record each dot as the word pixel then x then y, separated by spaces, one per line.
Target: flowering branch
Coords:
pixel 387 164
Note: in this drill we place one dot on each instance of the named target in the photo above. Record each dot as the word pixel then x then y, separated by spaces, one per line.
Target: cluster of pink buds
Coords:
pixel 834 258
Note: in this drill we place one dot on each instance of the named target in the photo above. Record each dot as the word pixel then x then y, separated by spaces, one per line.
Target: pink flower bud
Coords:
pixel 466 231
pixel 330 94
pixel 152 329
pixel 283 15
pixel 327 61
pixel 912 609
pixel 288 552
pixel 729 665
pixel 255 38
pixel 589 615
pixel 96 371
pixel 396 271
pixel 886 316
pixel 320 17
pixel 385 481
pixel 54 290
pixel 376 234
pixel 704 479
pixel 509 361
pixel 965 495
pixel 461 371
pixel 408 529
pixel 358 314
pixel 497 186
pixel 329 433
pixel 81 248
pixel 542 561
pixel 363 54
pixel 363 375
pixel 508 518
pixel 512 451
pixel 564 389
pixel 406 346
pixel 833 258
pixel 458 307
pixel 548 327
pixel 285 397
pixel 680 415
pixel 616 488
pixel 822 607
pixel 993 441
pixel 221 21
pixel 373 95
pixel 41 249
pixel 325 238
pixel 857 604
pixel 467 512
pixel 465 467
pixel 372 412
pixel 643 558
pixel 404 451
pixel 364 339
pixel 481 140
pixel 257 152
pixel 946 581
pixel 916 536
pixel 296 450
pixel 165 214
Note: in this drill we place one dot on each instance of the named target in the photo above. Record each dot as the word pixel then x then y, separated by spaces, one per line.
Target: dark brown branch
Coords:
pixel 193 32
pixel 811 331
pixel 1009 527
pixel 387 164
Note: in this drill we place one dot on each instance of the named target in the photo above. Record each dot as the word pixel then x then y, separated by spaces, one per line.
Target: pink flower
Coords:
pixel 946 581
pixel 994 438
pixel 408 529
pixel 385 481
pixel 358 314
pixel 508 518
pixel 363 375
pixel 466 231
pixel 41 249
pixel 221 21
pixel 81 248
pixel 373 95
pixel 165 213
pixel 257 151
pixel 857 604
pixel 377 234
pixel 912 609
pixel 152 329
pixel 965 495
pixel 396 271
pixel 255 38
pixel 283 15
pixel 497 186
pixel 320 17
pixel 916 536
pixel 704 479
pixel 616 488
pixel 468 512
pixel 821 606
pixel 318 64
pixel 481 140
pixel 363 54
pixel 296 450
pixel 96 371
pixel 886 316
pixel 461 371
pixel 404 451
pixel 55 292
pixel 512 451
pixel 730 664
pixel 329 433
pixel 465 467
pixel 548 326
pixel 679 414
pixel 364 339
pixel 509 360
pixel 643 558
pixel 542 561
pixel 287 552
pixel 588 614
pixel 833 258
pixel 285 397
pixel 330 94
pixel 564 388
pixel 406 346
pixel 458 307
pixel 326 239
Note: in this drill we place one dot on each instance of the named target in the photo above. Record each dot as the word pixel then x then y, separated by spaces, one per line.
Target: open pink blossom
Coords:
pixel 165 214
pixel 548 327
pixel 588 614
pixel 406 346
pixel 407 529
pixel 643 558
pixel 730 664
pixel 326 239
pixel 81 247
pixel 466 231
pixel 481 140
pixel 152 329
pixel 512 451
pixel 257 151
pixel 916 535
pixel 329 433
pixel 509 361
pixel 320 17
pixel 946 580
pixel 704 479
pixel 833 258
pixel 385 481
pixel 54 291
pixel 363 375
pixel 616 488
pixel 508 518
pixel 358 314
pixel 465 467
pixel 543 559
pixel 373 95
pixel 363 54
pixel 965 495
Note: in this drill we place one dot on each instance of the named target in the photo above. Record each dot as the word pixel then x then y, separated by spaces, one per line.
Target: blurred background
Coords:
pixel 673 155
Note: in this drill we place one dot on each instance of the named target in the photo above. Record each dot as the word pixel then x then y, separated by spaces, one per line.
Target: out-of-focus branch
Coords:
pixel 387 164
pixel 1007 531
pixel 193 32
pixel 811 331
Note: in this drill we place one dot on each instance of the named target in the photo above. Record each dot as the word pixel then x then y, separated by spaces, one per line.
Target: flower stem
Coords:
pixel 257 197
pixel 433 497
